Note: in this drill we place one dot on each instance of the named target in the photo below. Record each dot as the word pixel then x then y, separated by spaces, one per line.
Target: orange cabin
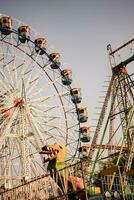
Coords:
pixel 82 114
pixel 40 45
pixel 76 95
pixel 55 58
pixel 6 25
pixel 66 76
pixel 24 33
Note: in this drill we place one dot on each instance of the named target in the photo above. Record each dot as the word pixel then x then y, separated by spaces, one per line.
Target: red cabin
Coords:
pixel 5 112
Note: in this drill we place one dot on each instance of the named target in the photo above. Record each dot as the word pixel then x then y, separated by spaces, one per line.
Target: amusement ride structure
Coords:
pixel 46 150
pixel 114 134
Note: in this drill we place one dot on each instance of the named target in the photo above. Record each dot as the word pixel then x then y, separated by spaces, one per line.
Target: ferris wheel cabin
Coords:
pixel 24 33
pixel 85 134
pixel 6 25
pixel 40 45
pixel 76 95
pixel 66 76
pixel 82 115
pixel 55 58
pixel 84 151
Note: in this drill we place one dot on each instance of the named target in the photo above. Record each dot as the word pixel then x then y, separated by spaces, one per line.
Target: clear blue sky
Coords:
pixel 80 30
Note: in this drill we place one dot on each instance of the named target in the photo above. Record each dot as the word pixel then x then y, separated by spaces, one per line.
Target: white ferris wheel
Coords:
pixel 39 103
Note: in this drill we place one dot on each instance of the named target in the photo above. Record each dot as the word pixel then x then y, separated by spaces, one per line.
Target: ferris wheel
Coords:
pixel 39 104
